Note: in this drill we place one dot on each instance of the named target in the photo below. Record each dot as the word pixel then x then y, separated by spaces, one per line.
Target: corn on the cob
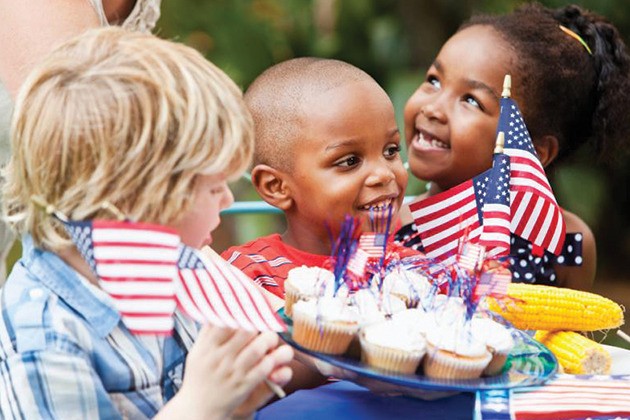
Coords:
pixel 536 307
pixel 575 353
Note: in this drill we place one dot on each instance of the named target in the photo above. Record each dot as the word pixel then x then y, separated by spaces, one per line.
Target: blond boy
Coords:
pixel 154 130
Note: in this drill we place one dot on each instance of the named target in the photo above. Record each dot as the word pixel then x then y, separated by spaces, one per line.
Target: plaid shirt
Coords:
pixel 65 354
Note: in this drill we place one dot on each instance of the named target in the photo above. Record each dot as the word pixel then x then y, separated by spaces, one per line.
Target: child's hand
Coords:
pixel 224 368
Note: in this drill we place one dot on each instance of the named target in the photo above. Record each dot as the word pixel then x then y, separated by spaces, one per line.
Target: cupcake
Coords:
pixel 305 283
pixel 498 339
pixel 453 353
pixel 407 285
pixel 326 325
pixel 395 345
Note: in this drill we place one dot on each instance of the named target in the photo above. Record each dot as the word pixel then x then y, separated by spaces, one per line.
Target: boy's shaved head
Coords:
pixel 276 100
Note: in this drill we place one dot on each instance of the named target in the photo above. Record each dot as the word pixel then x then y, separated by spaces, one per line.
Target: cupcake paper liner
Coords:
pixel 325 337
pixel 447 365
pixel 390 359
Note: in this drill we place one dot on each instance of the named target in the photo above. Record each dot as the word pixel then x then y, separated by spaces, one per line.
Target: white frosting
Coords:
pixel 456 338
pixel 313 281
pixel 406 283
pixel 495 335
pixel 447 310
pixel 326 309
pixel 395 334
pixel 372 309
pixel 417 318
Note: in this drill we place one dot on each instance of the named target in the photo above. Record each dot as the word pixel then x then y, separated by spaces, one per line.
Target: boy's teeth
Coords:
pixel 432 143
pixel 379 206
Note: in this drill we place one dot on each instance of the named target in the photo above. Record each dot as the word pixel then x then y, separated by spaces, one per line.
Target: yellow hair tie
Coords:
pixel 576 36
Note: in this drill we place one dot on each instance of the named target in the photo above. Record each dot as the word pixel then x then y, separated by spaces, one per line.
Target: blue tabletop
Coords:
pixel 343 400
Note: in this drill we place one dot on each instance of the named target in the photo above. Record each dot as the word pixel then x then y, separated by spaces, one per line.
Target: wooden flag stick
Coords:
pixel 507 86
pixel 277 389
pixel 623 335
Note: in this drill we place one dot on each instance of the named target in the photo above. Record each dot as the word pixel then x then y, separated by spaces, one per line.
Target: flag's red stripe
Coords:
pixel 209 308
pixel 147 297
pixel 539 223
pixel 115 224
pixel 161 332
pixel 546 241
pixel 111 279
pixel 251 303
pixel 439 197
pixel 429 233
pixel 134 262
pixel 215 299
pixel 454 207
pixel 119 244
pixel 527 214
pixel 146 314
pixel 455 236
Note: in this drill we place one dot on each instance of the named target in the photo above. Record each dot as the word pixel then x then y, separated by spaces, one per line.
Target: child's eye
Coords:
pixel 434 81
pixel 348 162
pixel 217 190
pixel 469 99
pixel 392 150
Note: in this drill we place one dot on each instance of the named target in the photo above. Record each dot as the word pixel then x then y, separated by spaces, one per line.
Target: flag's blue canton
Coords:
pixel 512 124
pixel 380 239
pixel 81 235
pixel 480 183
pixel 188 259
pixel 498 191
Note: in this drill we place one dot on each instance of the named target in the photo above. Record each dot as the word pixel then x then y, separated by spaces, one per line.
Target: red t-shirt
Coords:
pixel 268 260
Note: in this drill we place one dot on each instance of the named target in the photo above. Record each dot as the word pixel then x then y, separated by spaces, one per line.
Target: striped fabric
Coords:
pixel 563 397
pixel 495 234
pixel 536 215
pixel 148 272
pixel 64 352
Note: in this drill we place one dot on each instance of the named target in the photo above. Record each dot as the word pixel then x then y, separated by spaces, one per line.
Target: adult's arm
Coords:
pixel 32 28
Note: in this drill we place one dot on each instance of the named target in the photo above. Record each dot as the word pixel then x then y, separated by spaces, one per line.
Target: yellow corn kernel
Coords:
pixel 536 307
pixel 575 353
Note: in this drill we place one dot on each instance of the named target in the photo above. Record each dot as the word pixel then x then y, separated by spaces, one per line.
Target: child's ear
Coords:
pixel 547 149
pixel 272 186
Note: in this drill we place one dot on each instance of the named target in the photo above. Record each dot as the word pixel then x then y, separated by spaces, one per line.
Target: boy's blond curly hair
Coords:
pixel 124 118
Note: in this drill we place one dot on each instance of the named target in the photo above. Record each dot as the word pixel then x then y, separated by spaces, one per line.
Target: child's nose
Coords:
pixel 433 111
pixel 380 175
pixel 227 198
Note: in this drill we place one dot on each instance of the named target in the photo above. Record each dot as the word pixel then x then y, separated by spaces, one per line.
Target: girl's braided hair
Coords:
pixel 562 89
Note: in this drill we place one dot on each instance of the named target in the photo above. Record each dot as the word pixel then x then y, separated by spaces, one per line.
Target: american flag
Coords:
pixel 358 263
pixel 135 264
pixel 148 273
pixel 493 283
pixel 373 243
pixel 212 290
pixel 470 256
pixel 536 215
pixel 495 234
pixel 562 397
pixel 446 218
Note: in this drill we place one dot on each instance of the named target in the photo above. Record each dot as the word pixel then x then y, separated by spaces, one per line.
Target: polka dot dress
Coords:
pixel 528 268
pixel 525 267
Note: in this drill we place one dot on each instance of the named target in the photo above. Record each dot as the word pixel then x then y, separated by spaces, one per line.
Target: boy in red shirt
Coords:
pixel 327 146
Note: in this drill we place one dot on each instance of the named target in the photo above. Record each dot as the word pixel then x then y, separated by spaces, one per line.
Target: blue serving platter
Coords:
pixel 530 363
